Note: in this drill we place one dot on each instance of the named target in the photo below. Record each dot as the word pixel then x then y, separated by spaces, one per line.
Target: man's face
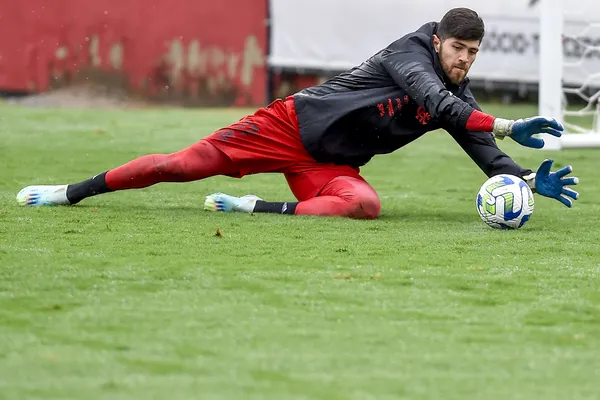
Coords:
pixel 456 57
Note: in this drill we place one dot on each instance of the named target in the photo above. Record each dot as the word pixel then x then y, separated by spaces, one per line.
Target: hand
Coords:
pixel 521 130
pixel 552 184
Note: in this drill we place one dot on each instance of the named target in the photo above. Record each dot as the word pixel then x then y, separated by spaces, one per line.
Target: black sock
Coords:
pixel 275 207
pixel 87 188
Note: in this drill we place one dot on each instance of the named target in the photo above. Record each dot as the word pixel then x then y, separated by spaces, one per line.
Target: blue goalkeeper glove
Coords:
pixel 522 130
pixel 552 184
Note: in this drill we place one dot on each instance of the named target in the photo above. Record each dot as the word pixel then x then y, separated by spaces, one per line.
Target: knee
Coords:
pixel 360 199
pixel 365 206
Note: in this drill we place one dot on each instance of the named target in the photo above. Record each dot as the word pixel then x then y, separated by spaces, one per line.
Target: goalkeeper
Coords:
pixel 320 137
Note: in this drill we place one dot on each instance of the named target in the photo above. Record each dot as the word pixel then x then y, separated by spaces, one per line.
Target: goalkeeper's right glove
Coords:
pixel 522 130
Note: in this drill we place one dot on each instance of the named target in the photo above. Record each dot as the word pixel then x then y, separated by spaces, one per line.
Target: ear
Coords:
pixel 436 43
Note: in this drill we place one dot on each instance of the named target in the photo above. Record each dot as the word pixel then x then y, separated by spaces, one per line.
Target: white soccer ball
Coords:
pixel 505 202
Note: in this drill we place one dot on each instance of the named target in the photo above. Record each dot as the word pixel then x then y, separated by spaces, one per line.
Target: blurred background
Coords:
pixel 248 52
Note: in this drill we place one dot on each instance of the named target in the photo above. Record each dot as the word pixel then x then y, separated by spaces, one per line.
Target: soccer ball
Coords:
pixel 505 202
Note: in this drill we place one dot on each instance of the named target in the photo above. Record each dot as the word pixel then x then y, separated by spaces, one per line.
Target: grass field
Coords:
pixel 133 295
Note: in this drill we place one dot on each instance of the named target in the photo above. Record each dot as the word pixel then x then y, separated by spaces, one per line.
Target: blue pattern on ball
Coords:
pixel 525 219
pixel 507 180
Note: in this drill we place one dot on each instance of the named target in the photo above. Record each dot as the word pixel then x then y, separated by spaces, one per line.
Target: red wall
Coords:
pixel 203 51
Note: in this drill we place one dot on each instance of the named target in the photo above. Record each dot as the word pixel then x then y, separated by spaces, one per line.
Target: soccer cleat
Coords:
pixel 43 195
pixel 226 203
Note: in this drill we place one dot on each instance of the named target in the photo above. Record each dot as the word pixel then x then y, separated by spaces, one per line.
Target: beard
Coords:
pixel 456 74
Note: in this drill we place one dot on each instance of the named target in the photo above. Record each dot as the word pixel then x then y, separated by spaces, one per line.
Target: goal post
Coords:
pixel 581 119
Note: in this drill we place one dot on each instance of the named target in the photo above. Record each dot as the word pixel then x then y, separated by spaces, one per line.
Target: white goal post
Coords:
pixel 581 119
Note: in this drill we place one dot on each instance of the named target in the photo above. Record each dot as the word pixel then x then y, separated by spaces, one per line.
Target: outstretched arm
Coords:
pixel 482 148
pixel 409 61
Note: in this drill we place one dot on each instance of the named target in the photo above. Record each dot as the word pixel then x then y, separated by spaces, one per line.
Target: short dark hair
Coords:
pixel 461 23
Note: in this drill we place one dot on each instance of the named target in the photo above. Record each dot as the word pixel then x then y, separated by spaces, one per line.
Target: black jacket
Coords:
pixel 390 100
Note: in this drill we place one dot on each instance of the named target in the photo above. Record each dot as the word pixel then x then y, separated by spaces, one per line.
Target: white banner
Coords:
pixel 339 34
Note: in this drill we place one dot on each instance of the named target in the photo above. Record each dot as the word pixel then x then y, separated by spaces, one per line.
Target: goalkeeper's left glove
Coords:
pixel 522 130
pixel 552 184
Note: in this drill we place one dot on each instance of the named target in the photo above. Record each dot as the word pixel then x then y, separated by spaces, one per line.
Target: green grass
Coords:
pixel 132 295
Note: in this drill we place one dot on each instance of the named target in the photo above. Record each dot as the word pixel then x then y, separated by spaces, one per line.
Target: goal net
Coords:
pixel 569 85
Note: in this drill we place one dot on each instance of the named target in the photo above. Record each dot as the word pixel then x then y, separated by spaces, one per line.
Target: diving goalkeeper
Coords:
pixel 321 136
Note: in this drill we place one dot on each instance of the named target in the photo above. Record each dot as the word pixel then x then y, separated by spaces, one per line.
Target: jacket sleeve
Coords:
pixel 482 148
pixel 409 61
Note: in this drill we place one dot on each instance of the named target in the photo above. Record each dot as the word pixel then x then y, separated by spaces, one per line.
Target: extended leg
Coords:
pixel 199 161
